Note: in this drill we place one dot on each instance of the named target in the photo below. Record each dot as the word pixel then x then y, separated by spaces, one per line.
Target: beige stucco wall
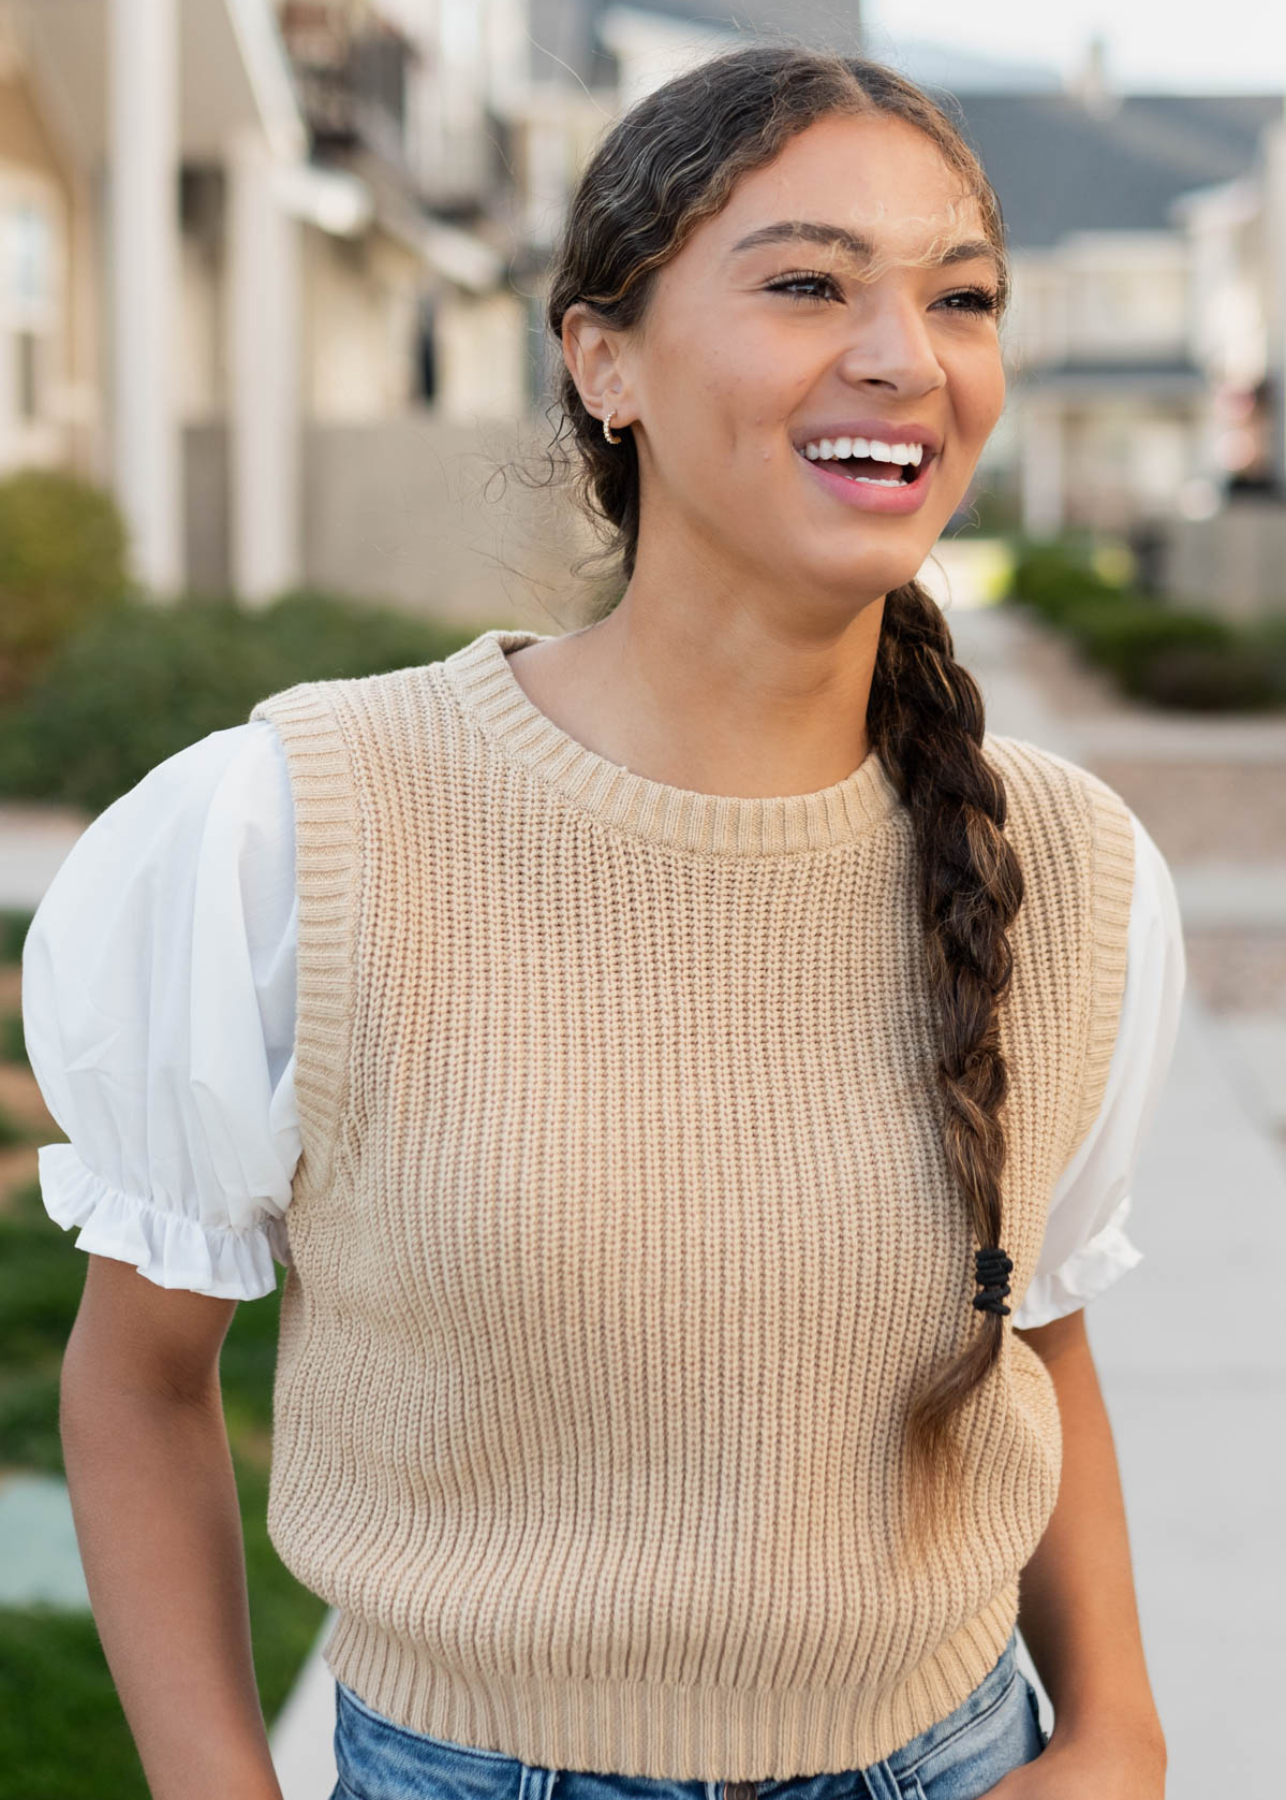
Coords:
pixel 482 355
pixel 359 300
pixel 407 511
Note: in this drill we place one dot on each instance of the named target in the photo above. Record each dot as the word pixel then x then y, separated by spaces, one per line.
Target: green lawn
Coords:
pixel 62 1731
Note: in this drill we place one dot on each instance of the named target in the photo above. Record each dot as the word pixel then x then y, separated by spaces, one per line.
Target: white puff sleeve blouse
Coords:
pixel 158 1004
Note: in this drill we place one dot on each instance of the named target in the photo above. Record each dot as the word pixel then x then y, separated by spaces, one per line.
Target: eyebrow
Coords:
pixel 814 232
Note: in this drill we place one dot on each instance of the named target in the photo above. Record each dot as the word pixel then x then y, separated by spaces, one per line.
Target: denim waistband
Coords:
pixel 386 1761
pixel 988 1694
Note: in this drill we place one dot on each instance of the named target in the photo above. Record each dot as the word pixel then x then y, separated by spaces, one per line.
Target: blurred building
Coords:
pixel 1225 547
pixel 262 271
pixel 115 115
pixel 1117 345
pixel 1145 343
pixel 339 215
pixel 1112 419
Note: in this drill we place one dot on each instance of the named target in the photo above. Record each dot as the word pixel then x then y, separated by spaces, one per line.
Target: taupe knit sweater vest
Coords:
pixel 623 1233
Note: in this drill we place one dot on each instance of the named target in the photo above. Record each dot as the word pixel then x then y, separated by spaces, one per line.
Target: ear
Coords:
pixel 594 354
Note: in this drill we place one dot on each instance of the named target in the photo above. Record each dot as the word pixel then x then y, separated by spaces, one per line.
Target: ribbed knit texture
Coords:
pixel 623 1234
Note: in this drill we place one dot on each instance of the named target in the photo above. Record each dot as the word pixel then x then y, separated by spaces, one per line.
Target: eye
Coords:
pixel 799 278
pixel 974 299
pixel 979 300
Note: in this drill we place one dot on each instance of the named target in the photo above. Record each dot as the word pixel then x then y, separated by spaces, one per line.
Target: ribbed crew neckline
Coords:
pixel 488 691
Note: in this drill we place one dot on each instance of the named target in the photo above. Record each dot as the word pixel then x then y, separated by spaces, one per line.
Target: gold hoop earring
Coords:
pixel 611 436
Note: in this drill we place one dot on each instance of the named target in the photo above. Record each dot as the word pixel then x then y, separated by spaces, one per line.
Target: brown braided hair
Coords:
pixel 669 163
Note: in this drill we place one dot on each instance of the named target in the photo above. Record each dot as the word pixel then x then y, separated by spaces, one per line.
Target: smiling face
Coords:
pixel 872 323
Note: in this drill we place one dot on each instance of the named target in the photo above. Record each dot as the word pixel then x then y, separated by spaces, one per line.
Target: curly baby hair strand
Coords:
pixel 664 166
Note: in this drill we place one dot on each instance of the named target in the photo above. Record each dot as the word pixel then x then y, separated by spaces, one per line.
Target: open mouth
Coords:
pixel 874 469
pixel 885 477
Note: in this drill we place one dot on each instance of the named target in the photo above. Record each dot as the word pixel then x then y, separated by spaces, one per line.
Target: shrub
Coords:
pixel 13 1040
pixel 1123 633
pixel 1225 678
pixel 1174 658
pixel 15 923
pixel 1169 655
pixel 62 561
pixel 134 688
pixel 1266 639
pixel 1058 577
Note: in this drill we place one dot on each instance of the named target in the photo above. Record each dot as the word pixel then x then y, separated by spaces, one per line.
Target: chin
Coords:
pixel 876 576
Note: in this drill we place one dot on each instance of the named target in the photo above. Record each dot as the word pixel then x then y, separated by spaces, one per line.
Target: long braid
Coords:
pixel 926 719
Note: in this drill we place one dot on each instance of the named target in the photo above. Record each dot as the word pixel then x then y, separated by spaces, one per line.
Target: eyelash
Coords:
pixel 985 300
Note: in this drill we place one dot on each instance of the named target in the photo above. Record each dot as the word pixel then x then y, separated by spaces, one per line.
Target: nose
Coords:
pixel 893 348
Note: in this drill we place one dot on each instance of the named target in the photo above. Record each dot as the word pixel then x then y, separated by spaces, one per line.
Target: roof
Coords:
pixel 1059 166
pixel 1157 378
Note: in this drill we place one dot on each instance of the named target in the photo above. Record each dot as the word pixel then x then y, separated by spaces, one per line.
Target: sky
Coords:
pixel 1156 45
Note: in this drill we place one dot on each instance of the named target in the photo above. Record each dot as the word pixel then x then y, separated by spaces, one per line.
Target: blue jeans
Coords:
pixel 995 1729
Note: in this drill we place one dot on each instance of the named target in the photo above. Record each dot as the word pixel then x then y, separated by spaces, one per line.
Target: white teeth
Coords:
pixel 828 449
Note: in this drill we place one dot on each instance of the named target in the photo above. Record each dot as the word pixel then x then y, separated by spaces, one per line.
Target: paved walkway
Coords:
pixel 1189 1344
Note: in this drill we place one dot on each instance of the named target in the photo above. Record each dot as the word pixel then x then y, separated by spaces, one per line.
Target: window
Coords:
pixel 32 255
pixel 27 254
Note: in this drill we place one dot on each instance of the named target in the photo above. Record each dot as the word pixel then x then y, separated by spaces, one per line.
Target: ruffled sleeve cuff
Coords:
pixel 1086 1274
pixel 172 1250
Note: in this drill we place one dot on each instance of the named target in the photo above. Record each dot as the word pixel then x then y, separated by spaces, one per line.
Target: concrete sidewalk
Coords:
pixel 1189 1345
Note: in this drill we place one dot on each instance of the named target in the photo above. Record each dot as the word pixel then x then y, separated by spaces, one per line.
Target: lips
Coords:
pixel 867 496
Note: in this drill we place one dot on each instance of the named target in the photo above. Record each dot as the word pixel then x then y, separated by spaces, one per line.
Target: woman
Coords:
pixel 700 1019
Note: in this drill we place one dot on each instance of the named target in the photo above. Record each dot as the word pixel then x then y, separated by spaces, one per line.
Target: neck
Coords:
pixel 716 702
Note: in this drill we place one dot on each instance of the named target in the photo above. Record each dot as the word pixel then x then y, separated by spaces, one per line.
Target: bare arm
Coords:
pixel 1077 1607
pixel 159 1527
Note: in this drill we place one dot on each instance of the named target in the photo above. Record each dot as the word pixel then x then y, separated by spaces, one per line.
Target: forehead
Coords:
pixel 877 176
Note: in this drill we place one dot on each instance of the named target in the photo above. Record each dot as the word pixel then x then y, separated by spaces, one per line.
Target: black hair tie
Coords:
pixel 992 1267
